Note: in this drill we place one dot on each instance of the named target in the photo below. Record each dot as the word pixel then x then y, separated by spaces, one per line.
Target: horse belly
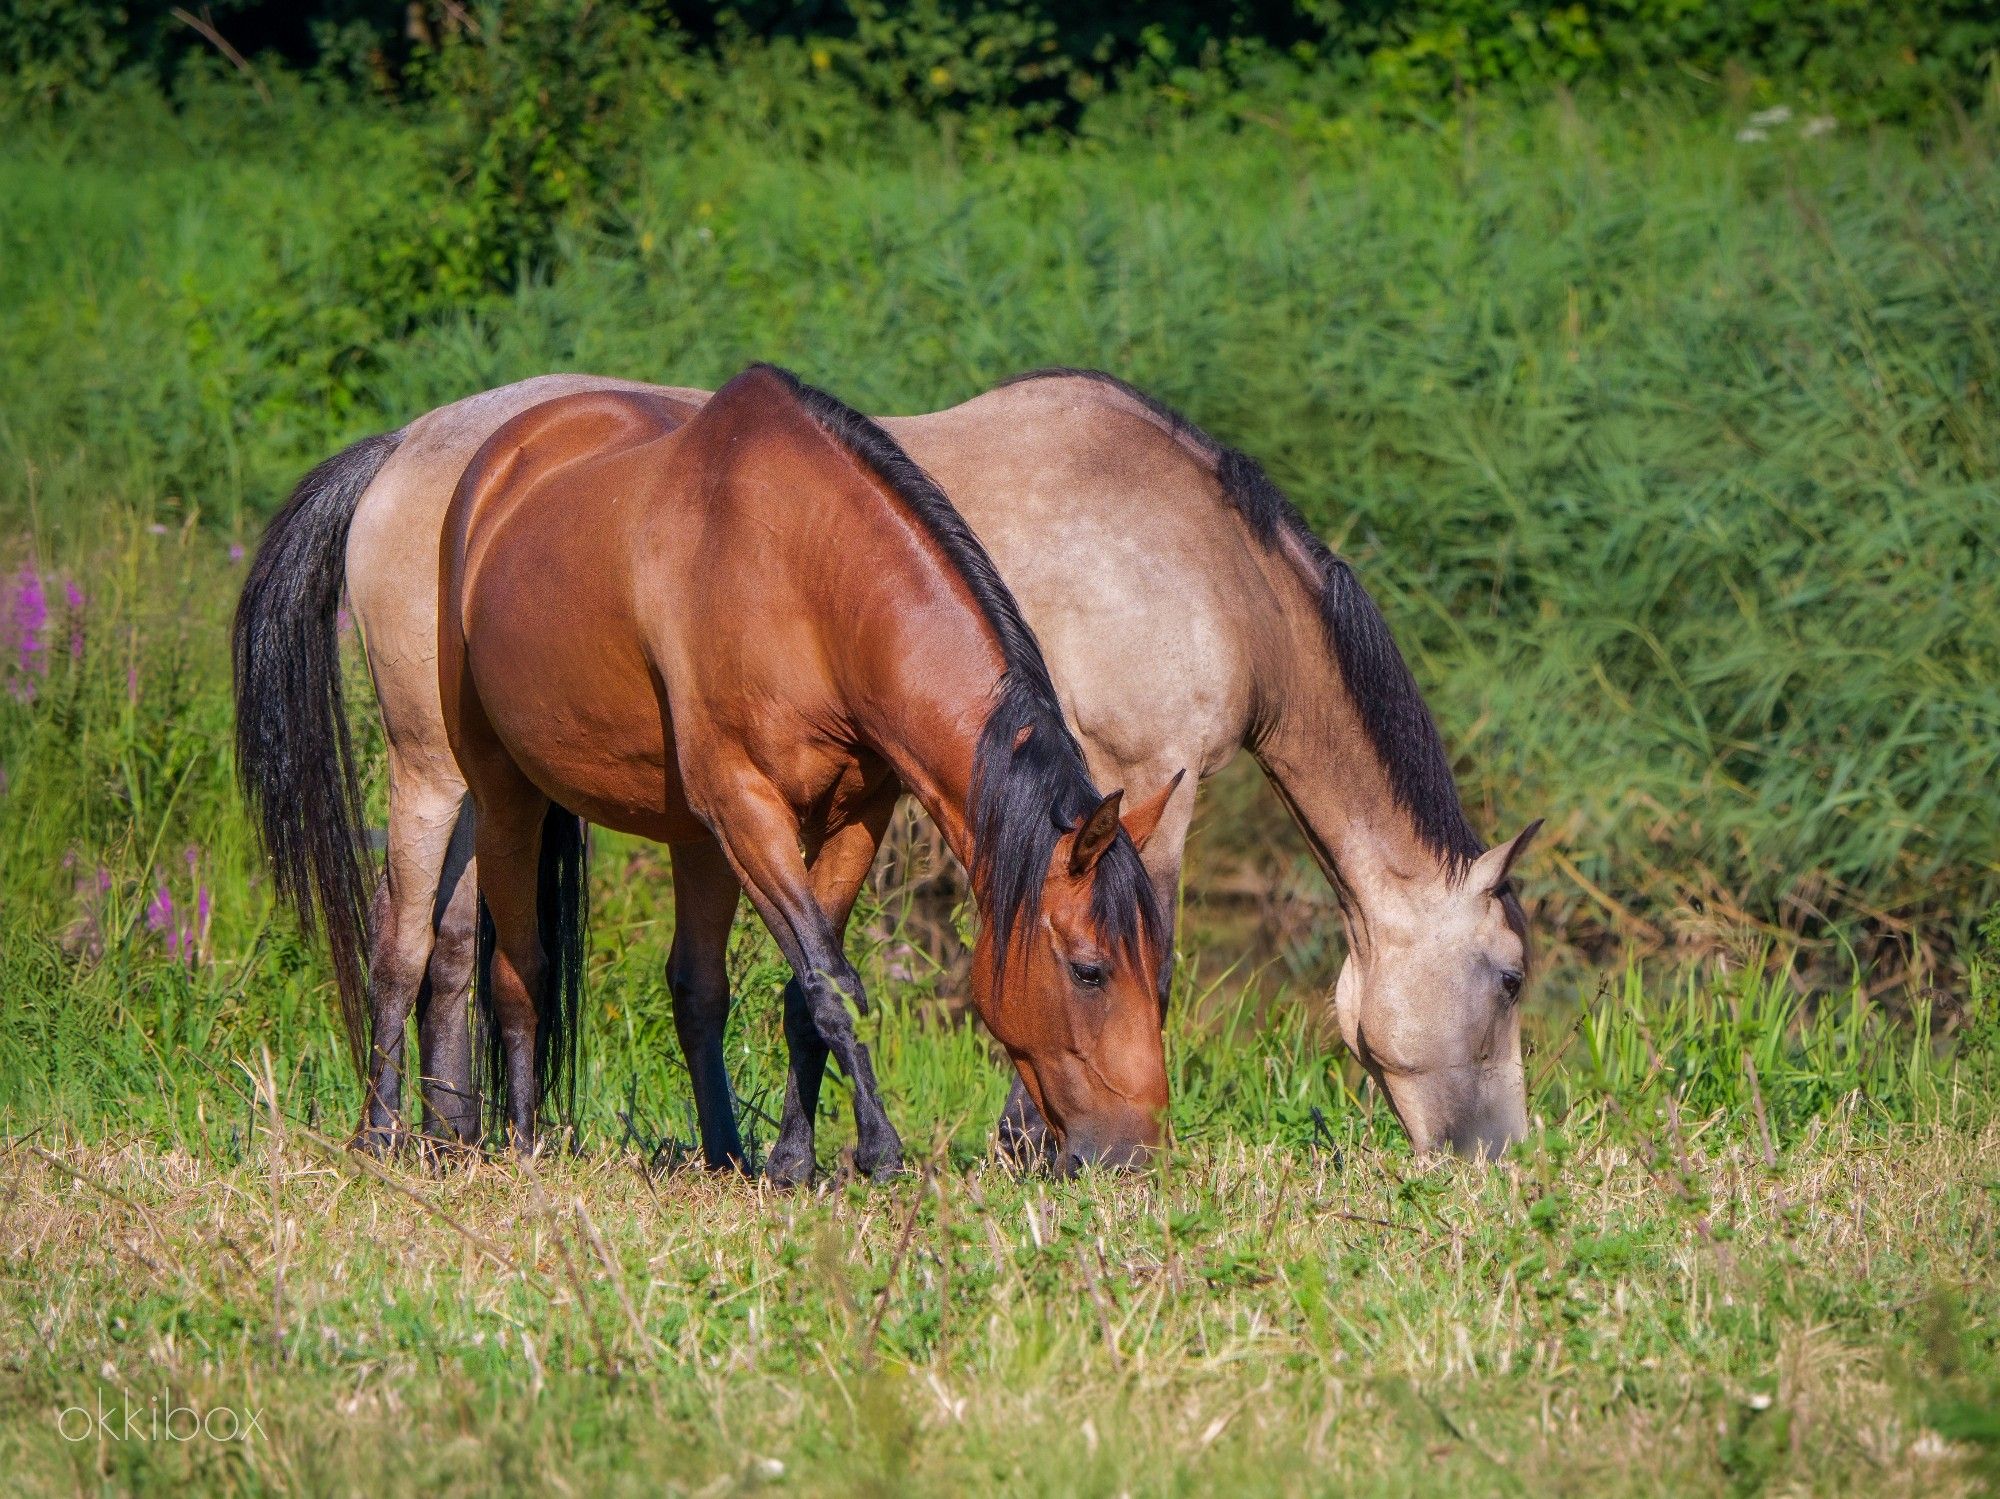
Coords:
pixel 577 707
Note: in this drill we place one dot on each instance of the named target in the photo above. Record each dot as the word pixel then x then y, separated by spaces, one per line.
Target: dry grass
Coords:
pixel 1289 1321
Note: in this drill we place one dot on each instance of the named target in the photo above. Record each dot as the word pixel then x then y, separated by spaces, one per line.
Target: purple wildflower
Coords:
pixel 236 551
pixel 27 627
pixel 157 529
pixel 185 934
pixel 343 621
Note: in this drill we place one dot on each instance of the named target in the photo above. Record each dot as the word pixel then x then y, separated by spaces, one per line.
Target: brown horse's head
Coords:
pixel 1429 1000
pixel 1067 974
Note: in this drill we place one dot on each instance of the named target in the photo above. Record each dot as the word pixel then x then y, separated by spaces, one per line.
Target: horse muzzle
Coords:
pixel 1126 1148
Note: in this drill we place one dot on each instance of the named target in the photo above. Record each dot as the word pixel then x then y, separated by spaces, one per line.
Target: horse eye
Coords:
pixel 1090 975
pixel 1510 987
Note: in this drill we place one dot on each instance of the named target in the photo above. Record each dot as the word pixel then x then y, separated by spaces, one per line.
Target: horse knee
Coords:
pixel 827 997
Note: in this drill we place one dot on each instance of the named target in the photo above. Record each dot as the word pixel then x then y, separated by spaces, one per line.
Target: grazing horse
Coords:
pixel 744 634
pixel 1187 612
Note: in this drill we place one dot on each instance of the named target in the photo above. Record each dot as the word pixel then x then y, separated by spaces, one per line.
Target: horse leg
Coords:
pixel 705 892
pixel 509 846
pixel 761 838
pixel 838 868
pixel 444 1029
pixel 421 816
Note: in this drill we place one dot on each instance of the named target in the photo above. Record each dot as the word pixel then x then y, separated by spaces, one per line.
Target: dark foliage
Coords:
pixel 1040 61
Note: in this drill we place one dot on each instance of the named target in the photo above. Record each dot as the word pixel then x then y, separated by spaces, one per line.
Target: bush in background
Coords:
pixel 1034 64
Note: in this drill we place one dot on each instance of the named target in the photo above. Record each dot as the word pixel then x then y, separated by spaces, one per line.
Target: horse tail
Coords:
pixel 293 753
pixel 562 912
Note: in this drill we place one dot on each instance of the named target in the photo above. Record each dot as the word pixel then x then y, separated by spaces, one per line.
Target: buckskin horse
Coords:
pixel 744 634
pixel 1187 611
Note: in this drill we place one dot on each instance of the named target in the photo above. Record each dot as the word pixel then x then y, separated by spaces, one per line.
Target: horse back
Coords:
pixel 624 594
pixel 541 654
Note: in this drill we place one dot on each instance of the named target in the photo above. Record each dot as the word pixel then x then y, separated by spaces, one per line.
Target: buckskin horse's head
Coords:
pixel 1430 1000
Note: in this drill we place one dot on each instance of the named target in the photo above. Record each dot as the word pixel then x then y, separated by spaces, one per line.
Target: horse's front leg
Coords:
pixel 807 912
pixel 838 867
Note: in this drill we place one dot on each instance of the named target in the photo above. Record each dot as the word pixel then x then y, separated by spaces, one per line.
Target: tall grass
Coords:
pixel 1672 458
pixel 146 968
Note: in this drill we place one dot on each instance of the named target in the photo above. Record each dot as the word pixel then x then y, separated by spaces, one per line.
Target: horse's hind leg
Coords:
pixel 509 845
pixel 761 837
pixel 422 813
pixel 837 868
pixel 444 1028
pixel 705 892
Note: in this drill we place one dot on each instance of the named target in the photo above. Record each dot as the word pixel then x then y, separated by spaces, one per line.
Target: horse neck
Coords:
pixel 921 692
pixel 1318 755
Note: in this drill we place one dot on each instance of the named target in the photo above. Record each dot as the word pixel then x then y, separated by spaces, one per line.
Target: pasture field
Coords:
pixel 1672 460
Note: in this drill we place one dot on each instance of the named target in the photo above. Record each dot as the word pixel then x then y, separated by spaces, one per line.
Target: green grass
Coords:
pixel 1672 462
pixel 1672 459
pixel 1751 1243
pixel 1263 1318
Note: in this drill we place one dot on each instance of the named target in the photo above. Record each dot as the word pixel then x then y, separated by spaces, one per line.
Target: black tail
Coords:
pixel 562 905
pixel 293 754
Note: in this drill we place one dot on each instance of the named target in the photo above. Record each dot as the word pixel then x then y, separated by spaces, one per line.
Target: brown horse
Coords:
pixel 743 635
pixel 1187 612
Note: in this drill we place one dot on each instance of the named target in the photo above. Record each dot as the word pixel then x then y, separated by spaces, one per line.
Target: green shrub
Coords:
pixel 1886 60
pixel 1008 65
pixel 1669 457
pixel 532 103
pixel 51 50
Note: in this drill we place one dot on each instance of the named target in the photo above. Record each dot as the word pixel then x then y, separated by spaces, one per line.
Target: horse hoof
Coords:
pixel 788 1169
pixel 880 1164
pixel 375 1141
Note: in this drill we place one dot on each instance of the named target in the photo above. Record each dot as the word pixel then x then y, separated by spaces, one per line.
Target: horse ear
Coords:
pixel 1142 819
pixel 1490 869
pixel 1094 834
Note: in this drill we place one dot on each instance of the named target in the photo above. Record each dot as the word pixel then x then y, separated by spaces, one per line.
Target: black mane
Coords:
pixel 1029 781
pixel 1393 714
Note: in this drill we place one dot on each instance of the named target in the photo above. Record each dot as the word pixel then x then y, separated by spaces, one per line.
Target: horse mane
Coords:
pixel 1030 784
pixel 1393 714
